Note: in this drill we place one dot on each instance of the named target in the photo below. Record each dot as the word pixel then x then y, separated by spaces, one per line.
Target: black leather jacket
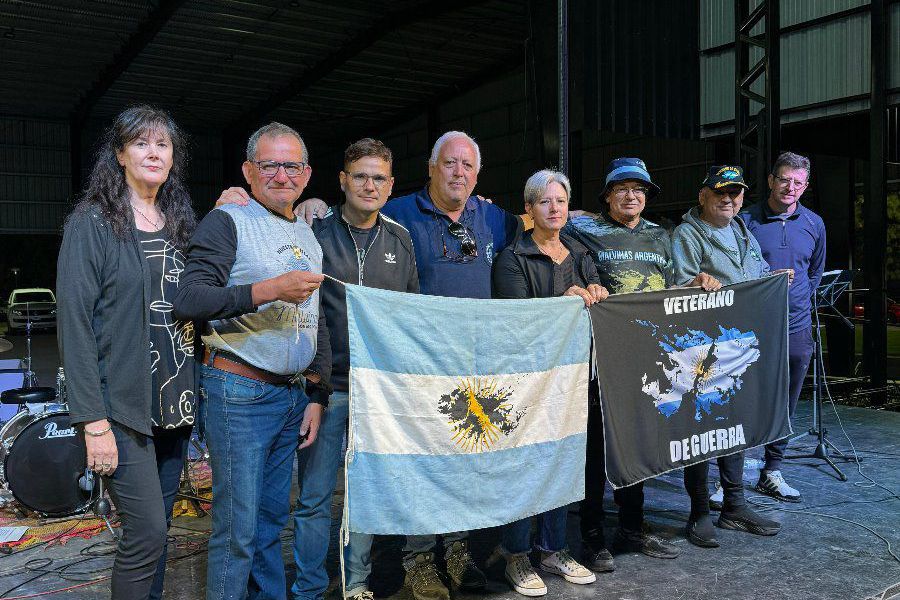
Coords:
pixel 523 271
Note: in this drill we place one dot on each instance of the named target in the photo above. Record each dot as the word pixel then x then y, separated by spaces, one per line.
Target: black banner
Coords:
pixel 687 375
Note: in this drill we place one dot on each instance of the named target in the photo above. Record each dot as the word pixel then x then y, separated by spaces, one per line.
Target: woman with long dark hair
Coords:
pixel 129 364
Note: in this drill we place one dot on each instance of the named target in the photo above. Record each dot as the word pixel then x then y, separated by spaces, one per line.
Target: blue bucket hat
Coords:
pixel 623 169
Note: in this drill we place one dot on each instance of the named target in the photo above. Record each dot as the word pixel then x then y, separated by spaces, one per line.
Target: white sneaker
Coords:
pixel 522 576
pixel 362 595
pixel 562 563
pixel 772 483
pixel 718 498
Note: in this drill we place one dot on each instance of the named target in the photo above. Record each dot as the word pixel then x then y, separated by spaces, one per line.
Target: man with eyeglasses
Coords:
pixel 632 255
pixel 363 247
pixel 253 275
pixel 456 236
pixel 791 236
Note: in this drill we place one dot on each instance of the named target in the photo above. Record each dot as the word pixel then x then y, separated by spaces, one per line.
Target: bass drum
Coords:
pixel 43 456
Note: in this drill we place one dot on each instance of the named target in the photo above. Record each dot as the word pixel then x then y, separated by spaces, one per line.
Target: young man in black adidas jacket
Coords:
pixel 363 247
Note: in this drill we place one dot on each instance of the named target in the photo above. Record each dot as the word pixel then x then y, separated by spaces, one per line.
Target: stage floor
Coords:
pixel 828 548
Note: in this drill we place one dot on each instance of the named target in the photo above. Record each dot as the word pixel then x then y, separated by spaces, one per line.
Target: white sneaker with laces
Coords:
pixel 561 563
pixel 772 483
pixel 717 498
pixel 522 576
pixel 363 595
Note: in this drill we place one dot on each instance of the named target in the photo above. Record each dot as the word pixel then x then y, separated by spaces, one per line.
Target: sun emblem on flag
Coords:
pixel 479 413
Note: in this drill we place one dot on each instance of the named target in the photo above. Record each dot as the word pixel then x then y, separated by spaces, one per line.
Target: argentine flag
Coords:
pixel 464 413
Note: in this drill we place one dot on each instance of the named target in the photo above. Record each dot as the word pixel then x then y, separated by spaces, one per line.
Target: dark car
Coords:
pixel 37 305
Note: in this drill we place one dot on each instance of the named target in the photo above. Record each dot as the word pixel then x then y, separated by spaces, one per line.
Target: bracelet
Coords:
pixel 98 433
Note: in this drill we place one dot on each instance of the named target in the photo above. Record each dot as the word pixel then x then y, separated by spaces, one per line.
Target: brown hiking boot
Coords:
pixel 422 578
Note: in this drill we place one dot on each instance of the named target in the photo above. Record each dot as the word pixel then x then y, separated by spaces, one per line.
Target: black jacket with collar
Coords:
pixel 103 323
pixel 523 271
pixel 389 264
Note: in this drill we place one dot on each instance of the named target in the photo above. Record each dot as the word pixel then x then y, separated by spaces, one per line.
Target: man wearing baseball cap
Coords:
pixel 632 255
pixel 713 239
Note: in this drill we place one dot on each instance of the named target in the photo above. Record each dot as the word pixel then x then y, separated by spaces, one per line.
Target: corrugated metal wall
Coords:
pixel 641 74
pixel 35 184
pixel 826 64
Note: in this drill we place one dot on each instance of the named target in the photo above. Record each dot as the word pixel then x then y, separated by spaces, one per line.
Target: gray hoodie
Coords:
pixel 696 250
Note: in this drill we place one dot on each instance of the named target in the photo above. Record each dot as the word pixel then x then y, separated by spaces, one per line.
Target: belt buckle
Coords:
pixel 297 378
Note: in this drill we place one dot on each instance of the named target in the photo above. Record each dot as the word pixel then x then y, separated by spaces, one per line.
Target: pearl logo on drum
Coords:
pixel 51 431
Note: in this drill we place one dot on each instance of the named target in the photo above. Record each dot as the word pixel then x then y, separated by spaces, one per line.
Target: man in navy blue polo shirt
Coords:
pixel 791 236
pixel 455 237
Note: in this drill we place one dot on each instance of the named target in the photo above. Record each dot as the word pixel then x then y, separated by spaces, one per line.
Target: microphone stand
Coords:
pixel 833 284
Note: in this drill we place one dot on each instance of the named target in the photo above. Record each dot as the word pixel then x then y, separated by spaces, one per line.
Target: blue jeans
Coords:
pixel 551 535
pixel 317 468
pixel 252 432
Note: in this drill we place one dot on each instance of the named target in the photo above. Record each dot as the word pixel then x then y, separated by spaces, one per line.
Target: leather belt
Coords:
pixel 223 363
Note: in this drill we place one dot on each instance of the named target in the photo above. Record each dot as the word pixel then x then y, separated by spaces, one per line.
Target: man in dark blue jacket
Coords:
pixel 363 247
pixel 791 236
pixel 456 236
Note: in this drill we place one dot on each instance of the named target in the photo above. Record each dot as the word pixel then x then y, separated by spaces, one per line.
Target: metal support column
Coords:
pixel 757 136
pixel 562 53
pixel 875 213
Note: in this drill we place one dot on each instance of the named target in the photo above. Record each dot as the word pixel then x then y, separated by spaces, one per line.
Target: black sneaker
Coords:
pixel 700 532
pixel 463 571
pixel 597 558
pixel 744 518
pixel 645 543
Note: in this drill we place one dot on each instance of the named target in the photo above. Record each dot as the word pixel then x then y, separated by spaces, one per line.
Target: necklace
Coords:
pixel 298 254
pixel 556 255
pixel 295 248
pixel 157 226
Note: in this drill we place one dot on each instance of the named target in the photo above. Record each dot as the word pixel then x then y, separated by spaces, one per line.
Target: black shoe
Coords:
pixel 700 532
pixel 463 571
pixel 745 519
pixel 597 558
pixel 645 543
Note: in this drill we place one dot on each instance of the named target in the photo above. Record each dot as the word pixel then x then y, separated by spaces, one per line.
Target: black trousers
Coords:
pixel 138 494
pixel 630 499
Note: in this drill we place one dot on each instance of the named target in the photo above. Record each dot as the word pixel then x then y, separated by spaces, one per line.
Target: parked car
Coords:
pixel 893 311
pixel 35 304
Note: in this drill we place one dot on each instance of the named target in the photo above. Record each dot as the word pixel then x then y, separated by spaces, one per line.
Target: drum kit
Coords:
pixel 43 463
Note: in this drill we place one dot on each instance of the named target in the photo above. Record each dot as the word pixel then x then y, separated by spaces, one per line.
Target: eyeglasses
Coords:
pixel 791 183
pixel 467 245
pixel 639 192
pixel 269 168
pixel 360 179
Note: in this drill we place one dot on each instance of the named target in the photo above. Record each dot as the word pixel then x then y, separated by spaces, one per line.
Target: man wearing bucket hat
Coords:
pixel 632 255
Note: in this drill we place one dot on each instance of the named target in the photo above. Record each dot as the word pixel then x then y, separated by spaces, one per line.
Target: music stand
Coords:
pixel 832 285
